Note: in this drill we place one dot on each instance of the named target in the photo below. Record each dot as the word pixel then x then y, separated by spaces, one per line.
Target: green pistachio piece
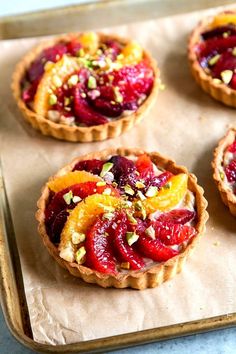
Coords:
pixel 108 216
pixel 214 60
pixel 131 238
pixel 107 191
pixel 68 197
pixel 78 237
pixel 76 199
pixel 226 76
pixel 106 168
pixel 140 195
pixel 131 218
pixel 128 189
pixel 80 255
pixel 150 231
pixel 139 184
pixel 52 99
pixel 73 80
pixel 92 83
pixel 101 184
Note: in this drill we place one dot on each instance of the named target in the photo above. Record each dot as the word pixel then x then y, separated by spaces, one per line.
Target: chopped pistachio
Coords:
pixel 73 80
pixel 78 237
pixel 125 265
pixel 139 184
pixel 234 51
pixel 67 254
pixel 139 206
pixel 56 81
pixel 226 76
pixel 225 34
pixel 108 216
pixel 166 186
pixel 67 101
pixel 76 199
pixel 150 231
pixel 128 189
pixel 126 204
pixel 68 197
pixel 107 191
pixel 140 195
pixel 118 95
pixel 80 52
pixel 52 99
pixel 131 238
pixel 83 95
pixel 214 59
pixel 217 81
pixel 101 184
pixel 79 256
pixel 222 175
pixel 106 168
pixel 151 192
pixel 131 218
pixel 92 83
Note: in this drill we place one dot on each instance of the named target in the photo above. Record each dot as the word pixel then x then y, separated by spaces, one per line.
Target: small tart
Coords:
pixel 224 169
pixel 78 87
pixel 212 56
pixel 108 234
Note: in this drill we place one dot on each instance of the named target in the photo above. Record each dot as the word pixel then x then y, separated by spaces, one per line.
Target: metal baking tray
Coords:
pixel 12 294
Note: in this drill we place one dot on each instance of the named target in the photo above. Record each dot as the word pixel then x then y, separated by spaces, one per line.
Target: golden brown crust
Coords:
pixel 109 130
pixel 158 273
pixel 227 195
pixel 220 92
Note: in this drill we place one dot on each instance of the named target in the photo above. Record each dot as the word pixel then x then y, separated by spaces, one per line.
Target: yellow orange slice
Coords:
pixel 67 180
pixel 89 41
pixel 170 197
pixel 223 19
pixel 53 78
pixel 84 215
pixel 132 53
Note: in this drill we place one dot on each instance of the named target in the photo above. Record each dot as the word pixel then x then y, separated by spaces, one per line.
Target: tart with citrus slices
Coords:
pixel 212 56
pixel 224 166
pixel 122 218
pixel 85 87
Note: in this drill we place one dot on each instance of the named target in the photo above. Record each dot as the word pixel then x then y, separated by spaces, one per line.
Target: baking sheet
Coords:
pixel 184 124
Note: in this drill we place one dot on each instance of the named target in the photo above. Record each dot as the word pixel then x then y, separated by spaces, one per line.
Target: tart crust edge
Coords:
pixel 82 134
pixel 228 198
pixel 148 278
pixel 219 92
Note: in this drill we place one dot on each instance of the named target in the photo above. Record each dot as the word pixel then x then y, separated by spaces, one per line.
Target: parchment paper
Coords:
pixel 184 124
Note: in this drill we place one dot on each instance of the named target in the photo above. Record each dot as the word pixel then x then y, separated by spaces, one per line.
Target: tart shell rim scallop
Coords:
pixel 220 92
pixel 59 131
pixel 156 274
pixel 227 196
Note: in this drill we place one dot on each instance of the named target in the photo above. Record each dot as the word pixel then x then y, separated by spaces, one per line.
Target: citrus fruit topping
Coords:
pixel 61 182
pixel 52 79
pixel 99 255
pixel 223 19
pixel 89 41
pixel 154 249
pixel 173 234
pixel 85 213
pixel 132 53
pixel 170 195
pixel 177 216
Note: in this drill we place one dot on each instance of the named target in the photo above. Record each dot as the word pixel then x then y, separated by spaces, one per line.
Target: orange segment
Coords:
pixel 132 53
pixel 84 215
pixel 223 19
pixel 67 180
pixel 52 78
pixel 170 197
pixel 89 41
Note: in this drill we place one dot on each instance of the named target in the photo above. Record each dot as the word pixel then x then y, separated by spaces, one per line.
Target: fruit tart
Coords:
pixel 224 166
pixel 122 218
pixel 212 56
pixel 85 86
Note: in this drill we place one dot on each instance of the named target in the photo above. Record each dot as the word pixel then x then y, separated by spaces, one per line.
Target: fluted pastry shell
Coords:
pixel 157 273
pixel 105 131
pixel 227 195
pixel 219 91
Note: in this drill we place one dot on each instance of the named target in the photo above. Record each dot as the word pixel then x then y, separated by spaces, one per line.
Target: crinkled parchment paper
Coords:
pixel 184 124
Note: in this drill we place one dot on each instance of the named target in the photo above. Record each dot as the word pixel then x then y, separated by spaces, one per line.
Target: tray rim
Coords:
pixel 9 289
